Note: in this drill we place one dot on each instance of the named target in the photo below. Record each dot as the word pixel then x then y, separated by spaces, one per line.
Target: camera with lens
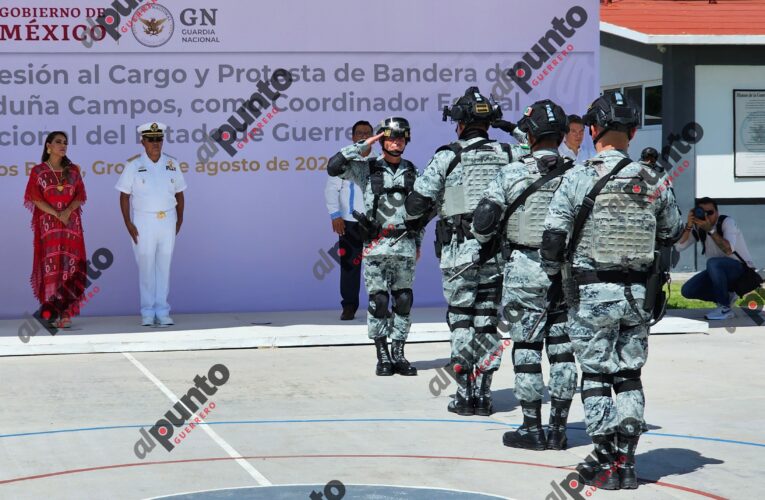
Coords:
pixel 699 213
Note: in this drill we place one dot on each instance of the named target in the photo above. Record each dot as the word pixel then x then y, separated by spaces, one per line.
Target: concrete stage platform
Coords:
pixel 274 329
pixel 292 423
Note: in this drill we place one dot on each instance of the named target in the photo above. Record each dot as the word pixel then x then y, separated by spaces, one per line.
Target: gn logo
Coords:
pixel 198 17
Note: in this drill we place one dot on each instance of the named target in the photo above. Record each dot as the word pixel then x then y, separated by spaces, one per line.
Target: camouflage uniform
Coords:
pixel 526 284
pixel 473 297
pixel 387 266
pixel 609 334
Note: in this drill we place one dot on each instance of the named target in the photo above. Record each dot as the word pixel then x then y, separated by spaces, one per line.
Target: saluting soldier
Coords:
pixel 151 187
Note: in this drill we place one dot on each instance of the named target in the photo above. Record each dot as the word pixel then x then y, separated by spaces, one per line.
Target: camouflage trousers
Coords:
pixel 472 317
pixel 381 274
pixel 611 345
pixel 524 296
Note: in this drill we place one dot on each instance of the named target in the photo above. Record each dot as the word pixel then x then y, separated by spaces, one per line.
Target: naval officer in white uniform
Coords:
pixel 152 186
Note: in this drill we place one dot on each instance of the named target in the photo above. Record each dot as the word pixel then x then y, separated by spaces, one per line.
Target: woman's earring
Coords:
pixel 48 150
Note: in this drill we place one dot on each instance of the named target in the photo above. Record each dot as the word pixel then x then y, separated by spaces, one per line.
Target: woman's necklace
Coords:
pixel 59 185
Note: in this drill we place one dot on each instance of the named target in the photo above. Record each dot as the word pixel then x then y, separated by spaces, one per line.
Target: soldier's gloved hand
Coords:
pixel 504 125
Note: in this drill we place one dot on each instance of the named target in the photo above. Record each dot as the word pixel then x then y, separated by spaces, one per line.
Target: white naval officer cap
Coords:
pixel 152 129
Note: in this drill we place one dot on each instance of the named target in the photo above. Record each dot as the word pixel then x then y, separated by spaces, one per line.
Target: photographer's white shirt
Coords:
pixel 732 234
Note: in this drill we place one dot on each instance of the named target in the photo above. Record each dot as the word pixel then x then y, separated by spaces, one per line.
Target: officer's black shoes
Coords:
pixel 556 439
pixel 462 405
pixel 627 475
pixel 463 402
pixel 527 439
pixel 530 435
pixel 349 312
pixel 483 405
pixel 384 365
pixel 400 364
pixel 602 474
pixel 556 432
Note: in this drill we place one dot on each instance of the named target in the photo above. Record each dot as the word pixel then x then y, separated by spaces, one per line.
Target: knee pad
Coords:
pixel 402 301
pixel 630 427
pixel 378 304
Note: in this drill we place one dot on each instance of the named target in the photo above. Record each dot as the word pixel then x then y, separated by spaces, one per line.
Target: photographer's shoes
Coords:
pixel 723 312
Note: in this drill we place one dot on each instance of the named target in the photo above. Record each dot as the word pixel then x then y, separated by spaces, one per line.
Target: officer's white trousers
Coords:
pixel 153 253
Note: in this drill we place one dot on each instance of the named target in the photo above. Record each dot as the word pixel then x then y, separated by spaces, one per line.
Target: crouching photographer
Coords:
pixel 729 263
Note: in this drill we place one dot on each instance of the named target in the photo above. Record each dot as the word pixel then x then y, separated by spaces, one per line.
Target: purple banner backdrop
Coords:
pixel 255 223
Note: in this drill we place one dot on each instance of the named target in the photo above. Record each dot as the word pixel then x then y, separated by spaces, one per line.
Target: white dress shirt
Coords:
pixel 342 197
pixel 734 237
pixel 585 153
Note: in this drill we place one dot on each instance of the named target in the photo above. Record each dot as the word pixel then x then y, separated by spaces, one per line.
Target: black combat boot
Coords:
pixel 556 432
pixel 483 406
pixel 463 403
pixel 384 366
pixel 400 364
pixel 530 435
pixel 603 473
pixel 627 475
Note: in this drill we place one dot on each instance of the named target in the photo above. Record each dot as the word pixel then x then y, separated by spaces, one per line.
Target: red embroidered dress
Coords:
pixel 59 267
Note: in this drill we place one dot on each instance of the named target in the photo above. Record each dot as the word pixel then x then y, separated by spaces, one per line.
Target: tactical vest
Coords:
pixel 404 185
pixel 480 166
pixel 622 228
pixel 525 227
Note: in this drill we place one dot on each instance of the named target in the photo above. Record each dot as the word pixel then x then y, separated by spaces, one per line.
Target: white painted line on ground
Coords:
pixel 252 471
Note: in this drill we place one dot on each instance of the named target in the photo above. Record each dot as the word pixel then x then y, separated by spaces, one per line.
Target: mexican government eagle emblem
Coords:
pixel 153 26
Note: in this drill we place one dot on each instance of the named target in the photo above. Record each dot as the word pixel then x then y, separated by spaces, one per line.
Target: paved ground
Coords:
pixel 308 416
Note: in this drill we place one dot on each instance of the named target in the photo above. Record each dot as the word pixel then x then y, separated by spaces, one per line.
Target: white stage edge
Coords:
pixel 238 330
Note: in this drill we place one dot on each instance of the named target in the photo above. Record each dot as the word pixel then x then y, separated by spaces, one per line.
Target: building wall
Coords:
pixel 714 110
pixel 697 87
pixel 621 68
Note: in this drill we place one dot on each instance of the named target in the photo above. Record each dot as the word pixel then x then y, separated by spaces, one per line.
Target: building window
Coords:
pixel 652 113
pixel 646 97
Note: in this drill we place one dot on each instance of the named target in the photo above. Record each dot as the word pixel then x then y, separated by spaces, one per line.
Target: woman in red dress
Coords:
pixel 55 192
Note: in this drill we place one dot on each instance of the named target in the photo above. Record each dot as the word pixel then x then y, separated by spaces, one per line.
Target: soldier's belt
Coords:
pixel 460 228
pixel 624 277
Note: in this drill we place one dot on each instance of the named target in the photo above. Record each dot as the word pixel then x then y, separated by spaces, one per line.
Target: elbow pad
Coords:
pixel 417 205
pixel 486 216
pixel 337 165
pixel 553 245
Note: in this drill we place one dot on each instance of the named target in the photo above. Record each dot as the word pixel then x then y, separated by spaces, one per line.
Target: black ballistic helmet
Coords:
pixel 472 108
pixel 612 111
pixel 395 126
pixel 648 154
pixel 544 118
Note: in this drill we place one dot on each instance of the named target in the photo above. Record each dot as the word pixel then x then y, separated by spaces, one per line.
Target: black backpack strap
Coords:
pixel 719 224
pixel 507 149
pixel 458 153
pixel 587 204
pixel 534 187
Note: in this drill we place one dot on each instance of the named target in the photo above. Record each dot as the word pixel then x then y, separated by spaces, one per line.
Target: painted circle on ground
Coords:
pixel 355 491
